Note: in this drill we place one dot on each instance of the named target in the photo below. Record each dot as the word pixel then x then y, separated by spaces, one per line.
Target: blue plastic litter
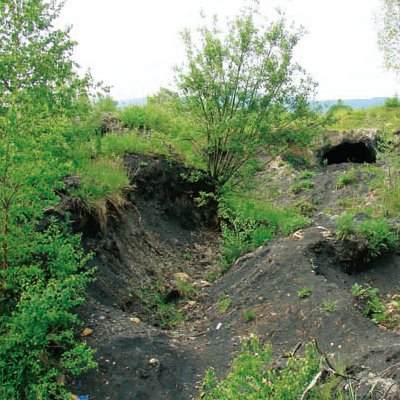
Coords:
pixel 84 397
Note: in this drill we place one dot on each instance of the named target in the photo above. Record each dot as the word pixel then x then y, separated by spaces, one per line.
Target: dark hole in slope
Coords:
pixel 358 152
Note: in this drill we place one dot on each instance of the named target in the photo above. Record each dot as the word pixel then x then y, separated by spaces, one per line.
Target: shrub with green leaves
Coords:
pixel 43 128
pixel 38 340
pixel 251 378
pixel 379 236
pixel 392 102
pixel 247 225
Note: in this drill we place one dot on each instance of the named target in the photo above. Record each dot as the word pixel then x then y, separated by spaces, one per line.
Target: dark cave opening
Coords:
pixel 358 152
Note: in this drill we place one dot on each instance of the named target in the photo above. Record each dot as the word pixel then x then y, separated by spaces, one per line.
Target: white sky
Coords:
pixel 132 45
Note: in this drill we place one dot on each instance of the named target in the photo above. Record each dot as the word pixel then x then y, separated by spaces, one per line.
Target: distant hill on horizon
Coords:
pixel 355 104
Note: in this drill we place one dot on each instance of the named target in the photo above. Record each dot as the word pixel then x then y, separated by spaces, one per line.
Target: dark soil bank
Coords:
pixel 162 233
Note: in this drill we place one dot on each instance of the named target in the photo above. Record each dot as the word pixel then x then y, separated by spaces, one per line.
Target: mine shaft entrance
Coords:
pixel 358 152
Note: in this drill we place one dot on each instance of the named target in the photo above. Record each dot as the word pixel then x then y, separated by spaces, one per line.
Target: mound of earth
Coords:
pixel 162 233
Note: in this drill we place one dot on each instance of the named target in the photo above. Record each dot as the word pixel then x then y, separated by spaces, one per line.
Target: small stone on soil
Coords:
pixel 154 361
pixel 87 332
pixel 182 277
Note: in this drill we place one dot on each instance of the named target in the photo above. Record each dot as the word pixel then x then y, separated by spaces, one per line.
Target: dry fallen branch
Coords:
pixel 312 384
pixel 389 371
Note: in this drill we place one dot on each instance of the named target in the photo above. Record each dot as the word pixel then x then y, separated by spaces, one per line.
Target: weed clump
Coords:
pixel 252 378
pixel 374 234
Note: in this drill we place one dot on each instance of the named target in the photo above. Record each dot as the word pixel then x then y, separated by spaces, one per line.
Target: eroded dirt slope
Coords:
pixel 158 236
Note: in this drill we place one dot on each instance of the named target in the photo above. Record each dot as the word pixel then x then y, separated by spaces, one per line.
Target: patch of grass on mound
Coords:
pixel 120 144
pixel 103 181
pixel 248 223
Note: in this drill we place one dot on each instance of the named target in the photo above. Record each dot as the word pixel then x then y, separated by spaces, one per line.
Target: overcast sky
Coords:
pixel 132 45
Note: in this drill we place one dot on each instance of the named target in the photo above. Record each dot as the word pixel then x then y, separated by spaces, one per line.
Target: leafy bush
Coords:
pixel 376 232
pixel 38 343
pixel 392 102
pixel 245 93
pixel 248 225
pixel 43 129
pixel 338 107
pixel 106 103
pixel 251 378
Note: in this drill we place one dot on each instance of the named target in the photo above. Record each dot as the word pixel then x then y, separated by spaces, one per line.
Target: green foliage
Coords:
pixel 329 306
pixel 185 289
pixel 374 306
pixel 102 178
pixel 295 159
pixel 244 93
pixel 307 174
pixel 389 33
pixel 251 377
pixel 392 102
pixel 305 207
pixel 382 118
pixel 379 236
pixel 346 178
pixel 106 103
pixel 371 305
pixel 120 144
pixel 249 224
pixel 223 304
pixel 339 107
pixel 43 108
pixel 303 182
pixel 37 339
pixel 250 315
pixel 301 185
pixel 166 314
pixel 304 292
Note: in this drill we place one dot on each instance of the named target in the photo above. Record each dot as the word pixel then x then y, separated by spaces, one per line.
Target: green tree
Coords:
pixel 42 268
pixel 244 92
pixel 389 33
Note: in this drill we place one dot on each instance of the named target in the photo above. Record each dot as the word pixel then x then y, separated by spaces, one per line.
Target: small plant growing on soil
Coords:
pixel 305 207
pixel 304 292
pixel 307 175
pixel 298 187
pixel 346 178
pixel 250 315
pixel 368 300
pixel 185 289
pixel 187 255
pixel 224 304
pixel 329 306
